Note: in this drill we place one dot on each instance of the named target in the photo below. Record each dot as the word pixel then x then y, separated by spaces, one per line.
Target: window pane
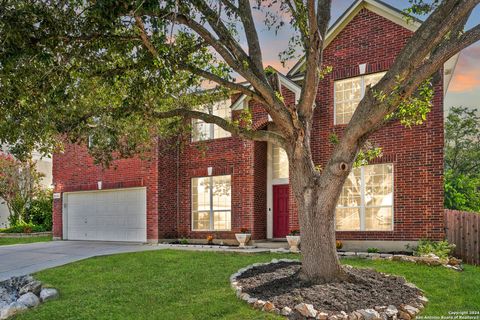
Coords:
pixel 221 220
pixel 378 219
pixel 280 163
pixel 351 193
pixel 222 197
pixel 378 185
pixel 347 219
pixel 200 130
pixel 348 93
pixel 201 220
pixel 372 79
pixel 221 109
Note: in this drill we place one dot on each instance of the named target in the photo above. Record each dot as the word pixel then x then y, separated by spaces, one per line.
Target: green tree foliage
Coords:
pixel 19 185
pixel 462 160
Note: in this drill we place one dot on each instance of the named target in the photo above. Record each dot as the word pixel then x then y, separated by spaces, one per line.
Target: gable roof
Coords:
pixel 379 7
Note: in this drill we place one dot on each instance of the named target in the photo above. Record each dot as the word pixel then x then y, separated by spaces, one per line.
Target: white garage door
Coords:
pixel 111 215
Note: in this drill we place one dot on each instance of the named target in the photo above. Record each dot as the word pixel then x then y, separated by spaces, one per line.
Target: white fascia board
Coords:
pixel 448 71
pixel 284 81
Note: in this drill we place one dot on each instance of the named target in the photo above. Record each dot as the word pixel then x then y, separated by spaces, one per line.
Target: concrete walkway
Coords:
pixel 22 259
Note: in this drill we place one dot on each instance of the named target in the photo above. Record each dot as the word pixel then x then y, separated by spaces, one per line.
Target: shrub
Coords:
pixel 184 241
pixel 24 228
pixel 210 239
pixel 373 250
pixel 40 210
pixel 442 249
pixel 244 230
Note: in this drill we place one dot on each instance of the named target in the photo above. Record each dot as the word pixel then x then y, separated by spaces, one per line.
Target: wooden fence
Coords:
pixel 463 229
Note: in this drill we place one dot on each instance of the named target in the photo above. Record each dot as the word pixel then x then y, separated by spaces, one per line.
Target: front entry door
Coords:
pixel 280 210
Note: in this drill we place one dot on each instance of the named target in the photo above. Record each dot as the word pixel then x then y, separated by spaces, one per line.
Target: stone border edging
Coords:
pixel 25 235
pixel 430 260
pixel 405 311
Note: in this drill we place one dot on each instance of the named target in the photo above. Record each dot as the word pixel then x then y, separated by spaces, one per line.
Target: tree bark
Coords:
pixel 316 202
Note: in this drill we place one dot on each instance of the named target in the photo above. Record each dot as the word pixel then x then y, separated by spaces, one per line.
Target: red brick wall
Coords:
pixel 416 153
pixel 74 170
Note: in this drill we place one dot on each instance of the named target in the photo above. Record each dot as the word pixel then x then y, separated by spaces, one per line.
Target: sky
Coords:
pixel 464 89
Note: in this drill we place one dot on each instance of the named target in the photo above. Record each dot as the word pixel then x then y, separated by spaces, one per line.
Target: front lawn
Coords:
pixel 169 284
pixel 6 241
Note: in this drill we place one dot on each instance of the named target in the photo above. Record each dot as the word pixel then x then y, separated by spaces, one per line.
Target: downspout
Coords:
pixel 178 188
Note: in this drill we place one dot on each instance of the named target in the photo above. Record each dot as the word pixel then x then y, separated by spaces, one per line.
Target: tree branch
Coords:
pixel 235 130
pixel 245 13
pixel 318 24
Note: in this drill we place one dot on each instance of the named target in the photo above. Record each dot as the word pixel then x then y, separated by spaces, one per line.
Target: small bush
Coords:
pixel 24 228
pixel 294 232
pixel 373 250
pixel 40 210
pixel 184 241
pixel 442 249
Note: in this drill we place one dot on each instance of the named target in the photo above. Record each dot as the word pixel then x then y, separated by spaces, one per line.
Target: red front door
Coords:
pixel 280 210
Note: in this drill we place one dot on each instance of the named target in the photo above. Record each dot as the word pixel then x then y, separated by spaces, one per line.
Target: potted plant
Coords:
pixel 293 239
pixel 243 237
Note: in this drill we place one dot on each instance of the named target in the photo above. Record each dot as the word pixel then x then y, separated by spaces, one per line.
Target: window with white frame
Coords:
pixel 211 203
pixel 208 131
pixel 280 163
pixel 366 201
pixel 349 92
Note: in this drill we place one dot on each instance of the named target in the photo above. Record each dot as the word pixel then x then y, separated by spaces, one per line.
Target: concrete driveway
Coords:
pixel 21 259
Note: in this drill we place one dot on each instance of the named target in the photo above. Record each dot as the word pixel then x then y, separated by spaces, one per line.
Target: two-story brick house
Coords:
pixel 231 183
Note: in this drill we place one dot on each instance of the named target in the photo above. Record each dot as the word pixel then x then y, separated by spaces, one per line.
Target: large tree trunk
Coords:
pixel 316 197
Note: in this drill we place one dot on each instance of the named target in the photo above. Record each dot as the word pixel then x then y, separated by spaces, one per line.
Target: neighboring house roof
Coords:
pixel 387 11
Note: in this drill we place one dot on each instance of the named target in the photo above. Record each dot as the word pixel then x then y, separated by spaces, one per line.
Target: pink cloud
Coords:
pixel 467 73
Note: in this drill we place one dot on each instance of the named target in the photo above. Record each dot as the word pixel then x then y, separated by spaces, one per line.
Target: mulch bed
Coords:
pixel 280 284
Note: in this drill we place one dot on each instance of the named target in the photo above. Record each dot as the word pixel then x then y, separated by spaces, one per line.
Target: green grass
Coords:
pixel 172 284
pixel 7 241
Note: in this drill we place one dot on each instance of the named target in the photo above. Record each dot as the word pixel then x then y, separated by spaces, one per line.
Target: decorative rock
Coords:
pixel 404 315
pixel 245 296
pixel 306 310
pixel 412 311
pixel 286 311
pixel 48 294
pixel 268 307
pixel 29 300
pixel 333 317
pixel 423 300
pixel 380 308
pixel 275 261
pixel 454 261
pixel 391 311
pixel 358 315
pixel 322 316
pixel 33 286
pixel 11 310
pixel 352 316
pixel 259 304
pixel 370 314
pixel 252 300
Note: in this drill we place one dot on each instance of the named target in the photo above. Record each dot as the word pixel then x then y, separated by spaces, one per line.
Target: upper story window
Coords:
pixel 349 92
pixel 366 201
pixel 280 163
pixel 207 131
pixel 211 203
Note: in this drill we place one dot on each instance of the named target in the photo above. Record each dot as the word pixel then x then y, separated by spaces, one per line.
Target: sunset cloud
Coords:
pixel 467 72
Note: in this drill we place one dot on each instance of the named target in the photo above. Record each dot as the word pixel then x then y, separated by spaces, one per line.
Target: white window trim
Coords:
pixel 211 211
pixel 362 94
pixel 362 203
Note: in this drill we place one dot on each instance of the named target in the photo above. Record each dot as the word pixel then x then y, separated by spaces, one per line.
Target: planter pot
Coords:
pixel 242 238
pixel 293 242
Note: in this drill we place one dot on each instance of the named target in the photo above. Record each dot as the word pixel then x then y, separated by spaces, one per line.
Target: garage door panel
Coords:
pixel 114 215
